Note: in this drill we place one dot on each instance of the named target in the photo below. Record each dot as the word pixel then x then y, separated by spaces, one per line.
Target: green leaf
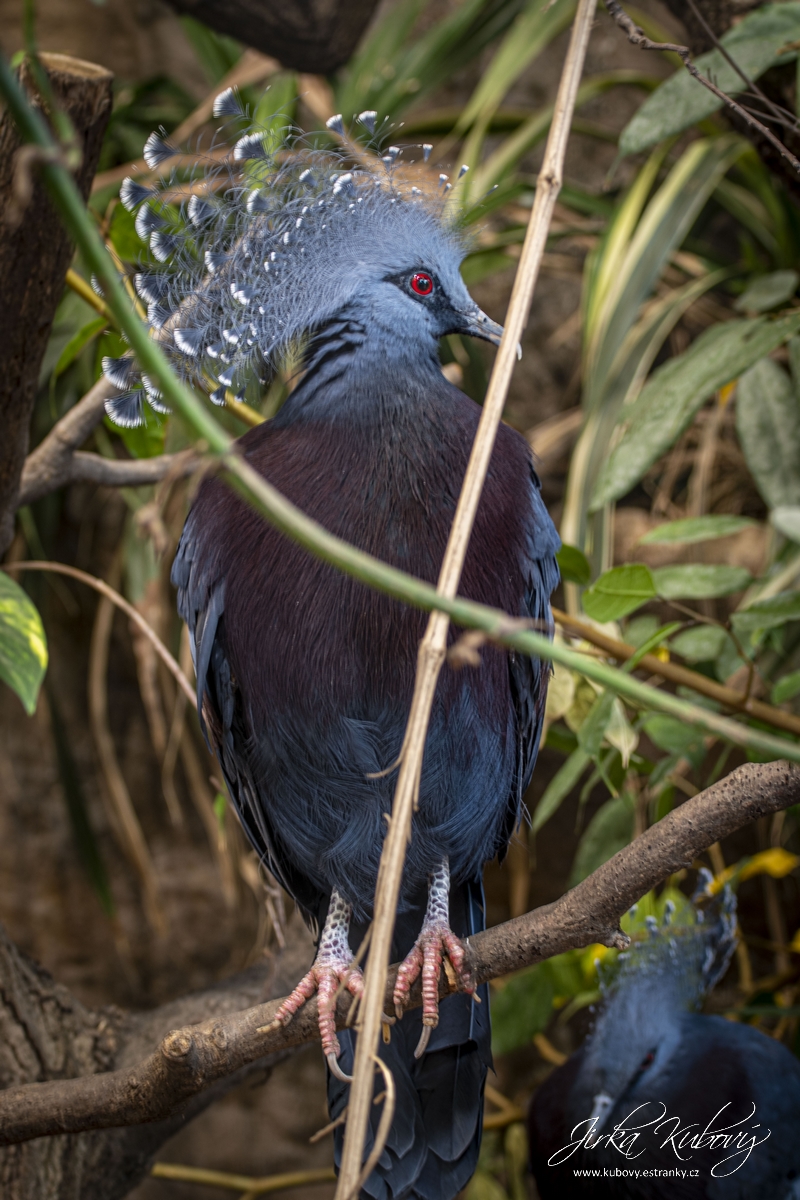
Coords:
pixel 522 1008
pixel 609 830
pixel 592 731
pixel 562 783
pixel 77 343
pixel 768 291
pixel 702 644
pixel 23 646
pixel 768 425
pixel 681 101
pixel 699 581
pixel 675 392
pixel 574 565
pixel 618 592
pixel 123 236
pixel 786 688
pixel 767 614
pixel 674 736
pixel 695 529
pixel 786 519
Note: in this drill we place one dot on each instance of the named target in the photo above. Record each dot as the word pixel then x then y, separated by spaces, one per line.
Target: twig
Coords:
pixel 192 1059
pixel 122 811
pixel 677 674
pixel 433 647
pixel 638 38
pixel 242 1183
pixel 779 114
pixel 114 597
pixel 56 461
pixel 251 68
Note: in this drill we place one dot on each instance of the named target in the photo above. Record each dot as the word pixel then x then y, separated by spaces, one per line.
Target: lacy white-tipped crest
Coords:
pixel 263 244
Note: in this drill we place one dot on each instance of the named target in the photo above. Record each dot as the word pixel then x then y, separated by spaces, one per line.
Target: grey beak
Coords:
pixel 477 324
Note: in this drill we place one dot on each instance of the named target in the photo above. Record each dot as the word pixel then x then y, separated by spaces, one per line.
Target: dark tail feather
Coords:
pixel 433 1145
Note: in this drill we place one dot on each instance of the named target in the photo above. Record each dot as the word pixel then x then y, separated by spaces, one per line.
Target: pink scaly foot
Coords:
pixel 332 966
pixel 436 940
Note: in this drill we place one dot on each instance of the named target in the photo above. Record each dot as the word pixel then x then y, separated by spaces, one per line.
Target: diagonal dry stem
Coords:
pixel 433 647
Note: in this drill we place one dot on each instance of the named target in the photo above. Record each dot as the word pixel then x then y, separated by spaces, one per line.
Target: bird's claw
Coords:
pixel 325 978
pixel 436 944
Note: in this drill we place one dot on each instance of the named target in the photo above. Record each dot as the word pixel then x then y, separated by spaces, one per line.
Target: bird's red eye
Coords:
pixel 421 283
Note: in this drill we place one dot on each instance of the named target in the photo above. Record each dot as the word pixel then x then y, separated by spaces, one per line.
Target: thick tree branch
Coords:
pixel 56 461
pixel 192 1059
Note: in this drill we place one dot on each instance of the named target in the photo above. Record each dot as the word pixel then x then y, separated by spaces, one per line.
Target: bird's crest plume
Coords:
pixel 263 242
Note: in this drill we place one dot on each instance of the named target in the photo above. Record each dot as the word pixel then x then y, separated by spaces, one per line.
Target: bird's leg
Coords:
pixel 332 967
pixel 436 942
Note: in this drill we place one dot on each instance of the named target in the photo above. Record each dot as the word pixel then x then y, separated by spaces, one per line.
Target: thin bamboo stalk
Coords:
pixel 434 644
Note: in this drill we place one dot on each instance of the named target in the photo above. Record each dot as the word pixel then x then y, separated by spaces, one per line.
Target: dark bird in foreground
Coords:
pixel 664 1103
pixel 304 675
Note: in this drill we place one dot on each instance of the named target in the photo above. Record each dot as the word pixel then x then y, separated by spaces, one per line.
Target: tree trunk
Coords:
pixel 34 257
pixel 46 1033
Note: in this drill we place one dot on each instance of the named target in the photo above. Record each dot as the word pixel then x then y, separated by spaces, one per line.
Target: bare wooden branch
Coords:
pixel 192 1059
pixel 638 38
pixel 57 462
pixel 34 257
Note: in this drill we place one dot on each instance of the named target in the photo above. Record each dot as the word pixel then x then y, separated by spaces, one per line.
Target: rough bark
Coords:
pixel 45 1033
pixel 315 36
pixel 34 257
pixel 191 1062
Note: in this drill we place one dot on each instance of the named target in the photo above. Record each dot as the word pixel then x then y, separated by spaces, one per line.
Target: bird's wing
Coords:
pixel 200 583
pixel 529 676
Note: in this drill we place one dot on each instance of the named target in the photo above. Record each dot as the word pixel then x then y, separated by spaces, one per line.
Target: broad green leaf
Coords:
pixel 767 614
pixel 695 529
pixel 574 565
pixel 559 787
pixel 699 581
pixel 592 731
pixel 77 343
pixel 768 291
pixel 768 425
pixel 681 101
pixel 618 592
pixel 23 646
pixel 701 644
pixel 675 392
pixel 786 519
pixel 674 736
pixel 522 1008
pixel 786 688
pixel 609 830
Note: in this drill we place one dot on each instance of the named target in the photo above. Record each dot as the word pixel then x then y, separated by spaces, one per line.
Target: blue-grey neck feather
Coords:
pixel 277 239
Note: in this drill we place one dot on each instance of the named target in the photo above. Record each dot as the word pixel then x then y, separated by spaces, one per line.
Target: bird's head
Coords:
pixel 665 974
pixel 274 243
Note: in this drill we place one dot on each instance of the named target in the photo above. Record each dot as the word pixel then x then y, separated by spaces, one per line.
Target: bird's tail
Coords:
pixel 434 1141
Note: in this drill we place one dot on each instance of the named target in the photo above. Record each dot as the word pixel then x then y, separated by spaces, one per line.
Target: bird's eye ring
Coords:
pixel 421 283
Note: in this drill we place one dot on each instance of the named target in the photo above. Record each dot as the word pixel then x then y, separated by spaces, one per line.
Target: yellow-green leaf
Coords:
pixel 23 646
